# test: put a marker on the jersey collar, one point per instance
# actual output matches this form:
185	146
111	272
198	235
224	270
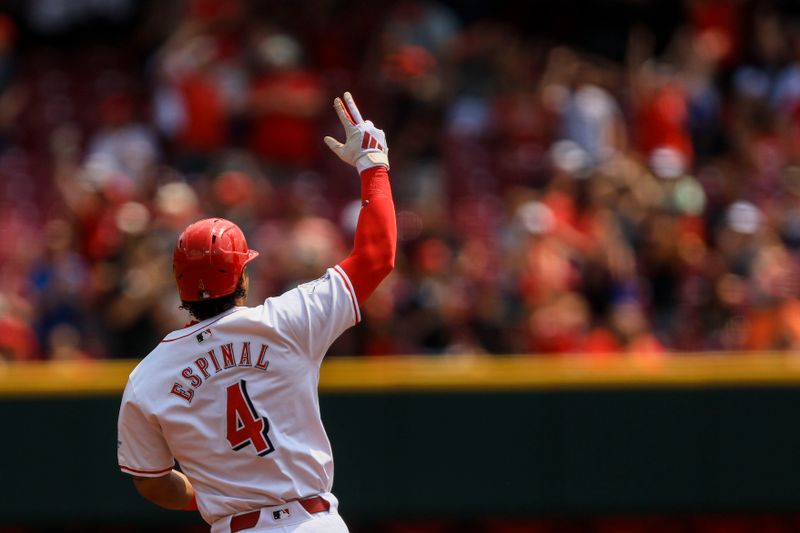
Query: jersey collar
196	326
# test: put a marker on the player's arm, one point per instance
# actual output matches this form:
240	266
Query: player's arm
143	453
171	491
372	258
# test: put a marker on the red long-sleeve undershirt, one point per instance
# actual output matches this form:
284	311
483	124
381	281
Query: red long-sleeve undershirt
372	258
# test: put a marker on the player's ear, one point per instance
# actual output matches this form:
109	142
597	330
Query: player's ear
244	284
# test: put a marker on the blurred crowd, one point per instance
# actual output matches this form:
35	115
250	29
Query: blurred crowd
635	191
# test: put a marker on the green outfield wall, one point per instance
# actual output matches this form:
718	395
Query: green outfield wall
454	438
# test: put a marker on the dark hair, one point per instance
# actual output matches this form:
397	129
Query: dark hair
208	308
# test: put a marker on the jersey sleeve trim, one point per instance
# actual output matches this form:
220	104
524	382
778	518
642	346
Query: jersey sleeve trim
350	291
145	473
201	328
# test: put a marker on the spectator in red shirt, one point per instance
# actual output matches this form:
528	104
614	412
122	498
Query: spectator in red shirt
284	102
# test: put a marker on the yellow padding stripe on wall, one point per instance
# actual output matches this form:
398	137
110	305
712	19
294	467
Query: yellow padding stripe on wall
453	373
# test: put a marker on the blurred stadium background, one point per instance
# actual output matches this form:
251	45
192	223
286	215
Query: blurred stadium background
599	215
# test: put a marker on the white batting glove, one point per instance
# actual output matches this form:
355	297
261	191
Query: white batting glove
365	146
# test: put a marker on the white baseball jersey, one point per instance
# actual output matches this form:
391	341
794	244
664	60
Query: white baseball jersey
234	400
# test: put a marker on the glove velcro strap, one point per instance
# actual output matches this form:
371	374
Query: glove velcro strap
372	159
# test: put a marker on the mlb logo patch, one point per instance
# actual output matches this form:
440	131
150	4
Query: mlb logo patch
280	514
203	335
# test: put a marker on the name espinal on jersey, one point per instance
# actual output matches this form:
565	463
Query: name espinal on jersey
216	361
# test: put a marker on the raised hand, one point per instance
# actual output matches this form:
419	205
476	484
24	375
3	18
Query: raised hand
365	145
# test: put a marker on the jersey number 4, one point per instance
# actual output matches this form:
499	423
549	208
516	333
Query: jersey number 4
244	425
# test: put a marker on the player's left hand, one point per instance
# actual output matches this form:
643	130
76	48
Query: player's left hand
365	146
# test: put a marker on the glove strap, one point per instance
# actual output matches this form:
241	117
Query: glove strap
372	159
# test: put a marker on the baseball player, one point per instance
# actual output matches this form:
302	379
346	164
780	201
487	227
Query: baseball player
233	396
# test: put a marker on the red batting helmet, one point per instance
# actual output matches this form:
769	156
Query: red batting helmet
209	258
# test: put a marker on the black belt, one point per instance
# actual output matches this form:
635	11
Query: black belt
314	504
